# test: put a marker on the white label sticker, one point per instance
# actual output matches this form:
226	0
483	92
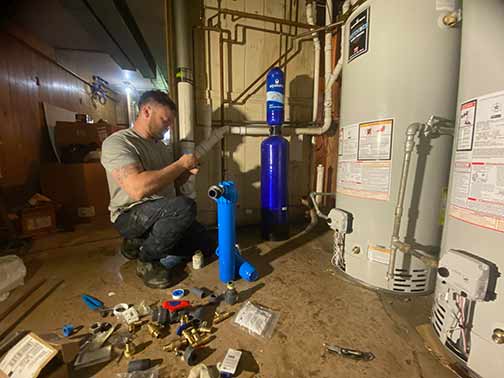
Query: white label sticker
466	126
37	223
379	254
86	212
230	363
477	194
364	166
375	140
274	96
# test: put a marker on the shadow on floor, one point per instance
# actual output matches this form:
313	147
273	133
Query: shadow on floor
263	263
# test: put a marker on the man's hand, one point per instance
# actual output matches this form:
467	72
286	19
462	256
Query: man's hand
182	179
188	161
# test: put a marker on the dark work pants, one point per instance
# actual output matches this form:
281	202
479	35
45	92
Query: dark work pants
168	227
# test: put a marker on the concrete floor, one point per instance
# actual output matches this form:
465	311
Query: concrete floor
315	304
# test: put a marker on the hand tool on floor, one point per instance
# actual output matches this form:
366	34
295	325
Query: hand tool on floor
94	304
350	353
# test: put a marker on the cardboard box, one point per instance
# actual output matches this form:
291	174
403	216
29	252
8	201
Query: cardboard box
67	133
38	220
81	189
67	348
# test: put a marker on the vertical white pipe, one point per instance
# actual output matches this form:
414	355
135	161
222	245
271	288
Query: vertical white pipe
311	15
186	110
319	186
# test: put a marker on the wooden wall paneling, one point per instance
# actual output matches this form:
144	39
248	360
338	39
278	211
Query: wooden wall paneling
15	148
24	142
6	130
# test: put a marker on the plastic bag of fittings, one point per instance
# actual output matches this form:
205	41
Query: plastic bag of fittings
149	373
12	274
256	319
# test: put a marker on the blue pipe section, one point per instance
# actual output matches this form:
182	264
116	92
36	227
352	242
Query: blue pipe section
231	263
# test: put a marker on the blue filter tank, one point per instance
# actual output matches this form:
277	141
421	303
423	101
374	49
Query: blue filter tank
275	97
274	189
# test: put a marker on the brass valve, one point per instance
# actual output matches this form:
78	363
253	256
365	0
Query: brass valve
129	350
221	316
154	330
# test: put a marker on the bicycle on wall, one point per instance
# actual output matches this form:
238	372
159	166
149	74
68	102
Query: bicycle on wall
99	90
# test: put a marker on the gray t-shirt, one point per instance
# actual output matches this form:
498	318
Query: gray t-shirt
126	147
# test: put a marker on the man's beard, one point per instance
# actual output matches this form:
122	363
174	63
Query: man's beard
156	134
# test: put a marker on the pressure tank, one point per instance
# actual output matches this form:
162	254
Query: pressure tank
275	97
400	66
469	300
274	188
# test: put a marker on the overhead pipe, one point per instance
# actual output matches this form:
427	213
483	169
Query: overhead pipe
330	78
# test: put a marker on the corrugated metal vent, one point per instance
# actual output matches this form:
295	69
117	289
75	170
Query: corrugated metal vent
438	318
414	281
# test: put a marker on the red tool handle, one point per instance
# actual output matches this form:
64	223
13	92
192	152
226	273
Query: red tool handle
173	306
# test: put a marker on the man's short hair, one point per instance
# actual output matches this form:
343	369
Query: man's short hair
158	97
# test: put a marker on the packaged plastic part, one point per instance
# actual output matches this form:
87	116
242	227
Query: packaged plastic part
12	274
256	319
150	373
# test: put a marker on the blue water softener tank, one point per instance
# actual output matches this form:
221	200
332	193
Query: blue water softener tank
275	97
274	164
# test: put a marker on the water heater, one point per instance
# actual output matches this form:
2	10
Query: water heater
274	163
400	67
468	311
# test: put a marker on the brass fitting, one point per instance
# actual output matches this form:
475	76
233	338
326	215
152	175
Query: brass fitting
129	349
189	337
175	345
184	319
201	341
221	316
154	330
204	330
195	334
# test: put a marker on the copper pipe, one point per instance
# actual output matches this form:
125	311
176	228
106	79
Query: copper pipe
259	17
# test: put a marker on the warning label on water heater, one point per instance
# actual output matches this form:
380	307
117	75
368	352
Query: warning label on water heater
364	164
477	194
358	37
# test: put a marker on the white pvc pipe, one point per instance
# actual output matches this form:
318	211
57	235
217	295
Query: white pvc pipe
186	110
311	11
328	79
319	186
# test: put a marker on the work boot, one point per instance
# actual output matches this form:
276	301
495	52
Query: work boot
130	248
153	274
